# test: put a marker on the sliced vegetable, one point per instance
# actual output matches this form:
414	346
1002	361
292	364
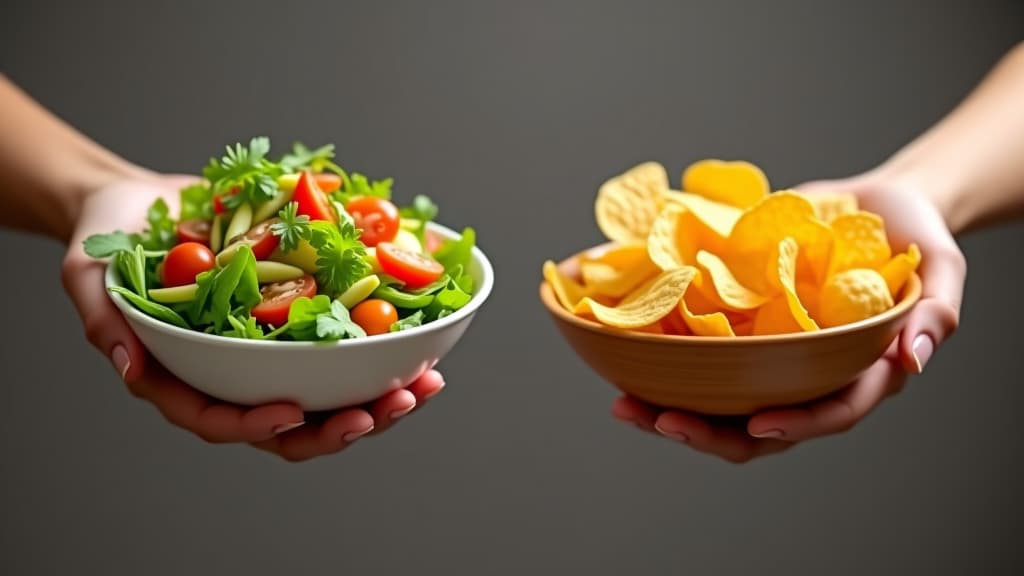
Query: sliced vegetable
359	291
271	207
312	201
276	299
413	269
268	272
241	220
217	233
260	239
195	230
175	295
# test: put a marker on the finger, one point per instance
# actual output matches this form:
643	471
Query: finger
937	315
835	414
212	420
427	386
635	412
307	442
726	442
387	409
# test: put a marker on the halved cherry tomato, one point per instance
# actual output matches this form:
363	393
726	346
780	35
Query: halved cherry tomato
260	238
196	230
218	203
311	199
374	316
376	217
327	181
415	270
184	262
277	299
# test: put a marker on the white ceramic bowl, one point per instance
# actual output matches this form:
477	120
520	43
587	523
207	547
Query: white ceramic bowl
314	375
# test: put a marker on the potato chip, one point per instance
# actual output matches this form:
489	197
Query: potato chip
860	242
853	295
782	278
628	204
672	242
601	278
619	256
673	323
737	183
722	285
712	324
775	317
830	205
807	292
658	298
567	291
898	270
718	217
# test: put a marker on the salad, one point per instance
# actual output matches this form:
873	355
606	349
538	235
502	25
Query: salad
294	249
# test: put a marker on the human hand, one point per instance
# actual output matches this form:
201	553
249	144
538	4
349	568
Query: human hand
280	428
911	215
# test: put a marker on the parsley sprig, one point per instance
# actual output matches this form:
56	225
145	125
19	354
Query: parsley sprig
292	228
247	170
341	255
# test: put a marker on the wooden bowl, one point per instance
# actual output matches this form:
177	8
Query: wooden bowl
729	376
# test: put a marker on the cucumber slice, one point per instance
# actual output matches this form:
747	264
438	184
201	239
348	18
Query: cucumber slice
217	234
174	295
268	272
240	222
271	207
304	256
359	291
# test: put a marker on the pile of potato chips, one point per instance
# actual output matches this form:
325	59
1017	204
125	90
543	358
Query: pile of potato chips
727	257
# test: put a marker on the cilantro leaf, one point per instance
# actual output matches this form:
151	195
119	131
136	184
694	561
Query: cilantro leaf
292	228
341	258
302	316
302	157
337	324
104	245
422	209
196	202
359	185
411	321
247	170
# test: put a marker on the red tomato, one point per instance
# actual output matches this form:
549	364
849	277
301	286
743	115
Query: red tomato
184	262
277	299
260	238
195	231
376	217
327	181
218	204
374	316
311	199
415	270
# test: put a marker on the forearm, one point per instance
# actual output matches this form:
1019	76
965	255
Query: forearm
972	162
47	167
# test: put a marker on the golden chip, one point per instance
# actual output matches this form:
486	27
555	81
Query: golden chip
718	217
737	183
853	295
898	270
830	205
722	284
620	256
860	242
775	317
627	204
567	291
658	298
712	324
782	278
601	278
672	242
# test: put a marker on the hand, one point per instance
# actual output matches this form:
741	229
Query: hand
279	428
910	216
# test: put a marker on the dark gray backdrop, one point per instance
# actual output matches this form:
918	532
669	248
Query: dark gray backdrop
509	115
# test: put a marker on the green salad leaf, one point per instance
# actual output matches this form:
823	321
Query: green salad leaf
422	209
196	202
247	329
105	245
337	324
302	317
457	252
154	309
223	289
411	321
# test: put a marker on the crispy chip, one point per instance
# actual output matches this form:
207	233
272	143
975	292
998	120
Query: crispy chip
718	217
830	205
898	270
808	295
620	256
775	317
568	291
658	298
672	242
711	324
782	278
853	295
628	204
722	285
673	323
860	242
737	183
601	278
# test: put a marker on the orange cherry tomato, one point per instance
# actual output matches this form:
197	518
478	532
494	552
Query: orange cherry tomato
374	316
184	262
327	181
415	270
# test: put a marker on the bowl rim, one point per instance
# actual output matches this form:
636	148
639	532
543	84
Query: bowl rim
910	295
480	295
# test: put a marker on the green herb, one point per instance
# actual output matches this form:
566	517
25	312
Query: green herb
132	266
422	209
302	316
196	202
302	157
154	309
221	291
337	324
341	258
246	169
292	228
162	233
411	321
447	300
360	185
248	329
104	245
457	252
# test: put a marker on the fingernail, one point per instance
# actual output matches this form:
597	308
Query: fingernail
435	392
773	433
673	434
282	428
352	436
922	350
121	361
399	413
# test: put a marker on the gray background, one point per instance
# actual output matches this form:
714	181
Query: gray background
509	115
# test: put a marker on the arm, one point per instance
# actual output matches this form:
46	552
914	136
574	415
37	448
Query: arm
972	161
47	168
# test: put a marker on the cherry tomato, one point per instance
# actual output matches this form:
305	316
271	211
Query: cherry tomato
376	217
277	299
311	199
184	262
196	230
374	316
218	203
327	181
415	270
260	238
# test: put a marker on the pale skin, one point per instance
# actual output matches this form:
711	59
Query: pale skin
963	174
56	182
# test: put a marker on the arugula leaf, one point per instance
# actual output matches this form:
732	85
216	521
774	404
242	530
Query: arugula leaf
248	170
422	209
302	157
341	258
196	202
235	283
132	266
337	324
457	252
104	245
154	309
292	228
302	316
411	321
199	304
448	300
249	329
